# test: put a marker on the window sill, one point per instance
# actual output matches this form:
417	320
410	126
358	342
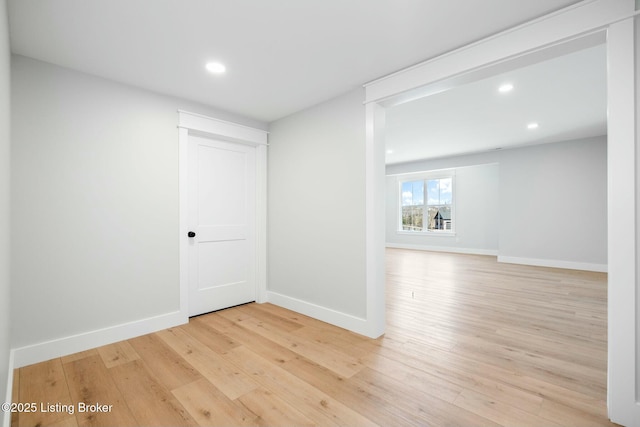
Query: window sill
427	233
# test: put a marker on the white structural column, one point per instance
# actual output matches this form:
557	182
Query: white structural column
621	157
375	222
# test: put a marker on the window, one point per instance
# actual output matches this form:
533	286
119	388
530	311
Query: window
427	204
412	205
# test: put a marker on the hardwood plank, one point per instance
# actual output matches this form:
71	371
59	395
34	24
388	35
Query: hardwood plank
90	383
167	366
589	405
273	411
574	376
337	340
216	341
452	375
236	316
590	353
265	347
439	387
431	410
500	412
79	355
293	316
216	321
67	422
224	375
149	401
352	394
339	362
43	384
320	407
117	354
466	368
322	332
210	407
282	323
572	417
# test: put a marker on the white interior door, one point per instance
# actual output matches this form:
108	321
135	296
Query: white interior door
222	220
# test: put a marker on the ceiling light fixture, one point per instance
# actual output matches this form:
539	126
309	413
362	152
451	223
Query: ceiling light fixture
532	126
216	68
507	87
389	151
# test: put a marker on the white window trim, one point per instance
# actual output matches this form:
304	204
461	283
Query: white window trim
443	233
440	174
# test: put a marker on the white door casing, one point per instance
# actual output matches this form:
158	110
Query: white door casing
222	220
612	21
218	230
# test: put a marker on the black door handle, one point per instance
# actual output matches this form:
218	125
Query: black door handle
191	234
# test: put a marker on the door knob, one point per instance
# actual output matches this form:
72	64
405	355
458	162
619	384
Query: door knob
191	234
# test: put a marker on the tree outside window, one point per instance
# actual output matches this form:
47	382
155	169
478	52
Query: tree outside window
412	205
427	204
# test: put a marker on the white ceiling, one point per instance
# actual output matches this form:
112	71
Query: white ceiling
566	96
282	55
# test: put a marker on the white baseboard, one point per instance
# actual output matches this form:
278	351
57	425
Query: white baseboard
337	318
571	265
470	251
47	350
6	421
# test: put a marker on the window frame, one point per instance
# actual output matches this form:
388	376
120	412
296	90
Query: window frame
425	177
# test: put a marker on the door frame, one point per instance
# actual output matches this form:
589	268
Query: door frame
613	22
199	125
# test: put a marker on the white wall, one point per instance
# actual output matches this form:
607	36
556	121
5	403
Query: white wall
476	214
95	202
4	206
552	203
316	206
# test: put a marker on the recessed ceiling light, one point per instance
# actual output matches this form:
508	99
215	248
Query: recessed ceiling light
389	151
216	67
532	126
507	87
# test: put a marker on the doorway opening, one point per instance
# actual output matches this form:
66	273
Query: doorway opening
542	38
467	156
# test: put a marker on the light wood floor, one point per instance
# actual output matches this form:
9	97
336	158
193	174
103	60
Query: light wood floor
469	342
